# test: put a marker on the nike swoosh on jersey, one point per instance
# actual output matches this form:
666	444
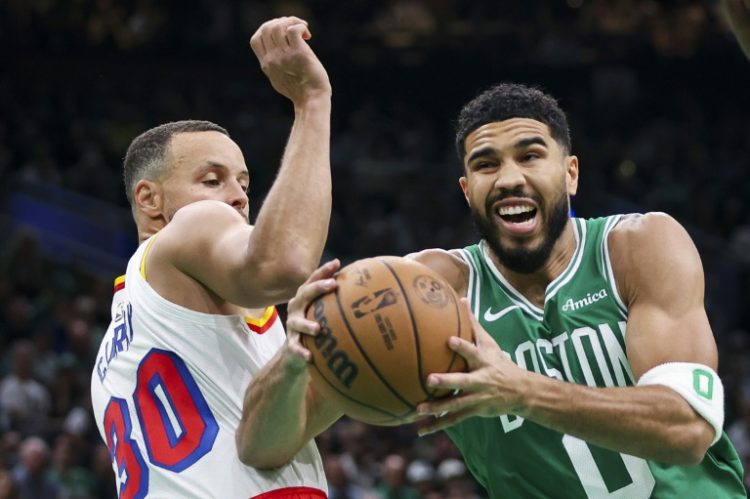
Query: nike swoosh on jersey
491	317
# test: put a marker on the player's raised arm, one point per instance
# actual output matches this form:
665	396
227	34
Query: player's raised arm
263	265
738	12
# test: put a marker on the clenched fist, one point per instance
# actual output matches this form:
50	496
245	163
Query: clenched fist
288	61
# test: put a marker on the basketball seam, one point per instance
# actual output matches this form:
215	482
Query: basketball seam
367	358
352	399
414	328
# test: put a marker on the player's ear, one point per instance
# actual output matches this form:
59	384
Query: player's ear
571	174
464	187
147	197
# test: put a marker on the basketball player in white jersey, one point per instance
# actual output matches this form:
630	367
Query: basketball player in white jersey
193	317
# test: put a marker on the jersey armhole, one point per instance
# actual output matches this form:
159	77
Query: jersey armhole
472	288
609	274
142	265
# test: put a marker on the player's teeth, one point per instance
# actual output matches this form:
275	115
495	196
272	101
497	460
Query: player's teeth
514	210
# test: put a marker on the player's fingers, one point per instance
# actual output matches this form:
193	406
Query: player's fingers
302	325
300	351
465	349
256	43
449	381
326	270
275	35
436	424
278	30
308	292
296	35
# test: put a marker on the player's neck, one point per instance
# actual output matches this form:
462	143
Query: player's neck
146	230
534	285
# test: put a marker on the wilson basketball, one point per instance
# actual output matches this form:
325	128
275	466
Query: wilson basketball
383	331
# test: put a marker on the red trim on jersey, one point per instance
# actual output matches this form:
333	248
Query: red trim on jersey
261	325
292	493
119	283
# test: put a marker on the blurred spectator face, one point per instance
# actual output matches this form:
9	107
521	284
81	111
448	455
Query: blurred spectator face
335	473
394	471
537	175
420	475
34	452
205	165
22	359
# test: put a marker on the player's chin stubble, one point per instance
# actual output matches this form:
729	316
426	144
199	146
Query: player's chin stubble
524	260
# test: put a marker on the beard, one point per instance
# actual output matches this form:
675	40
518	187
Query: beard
523	260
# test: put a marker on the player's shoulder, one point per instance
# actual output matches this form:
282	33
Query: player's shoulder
447	263
643	246
646	231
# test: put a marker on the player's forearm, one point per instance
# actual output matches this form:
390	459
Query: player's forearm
292	226
272	429
652	422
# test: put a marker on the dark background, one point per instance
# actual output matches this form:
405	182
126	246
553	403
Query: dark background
657	94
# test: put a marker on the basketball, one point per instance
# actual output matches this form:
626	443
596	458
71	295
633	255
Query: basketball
383	331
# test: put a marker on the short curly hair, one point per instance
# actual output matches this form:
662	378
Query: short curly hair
511	100
147	154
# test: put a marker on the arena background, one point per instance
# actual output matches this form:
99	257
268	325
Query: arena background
657	93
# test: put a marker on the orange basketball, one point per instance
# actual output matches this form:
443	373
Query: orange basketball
382	332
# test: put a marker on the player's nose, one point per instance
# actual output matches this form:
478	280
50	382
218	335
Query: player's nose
509	176
238	197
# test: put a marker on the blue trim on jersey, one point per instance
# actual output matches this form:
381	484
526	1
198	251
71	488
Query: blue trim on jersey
127	440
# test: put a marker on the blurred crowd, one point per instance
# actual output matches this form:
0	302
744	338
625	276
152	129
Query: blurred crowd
656	93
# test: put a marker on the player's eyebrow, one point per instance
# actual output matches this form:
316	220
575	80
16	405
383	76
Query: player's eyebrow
479	153
523	143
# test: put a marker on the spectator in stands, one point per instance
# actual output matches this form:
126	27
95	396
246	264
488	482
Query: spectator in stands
32	474
25	401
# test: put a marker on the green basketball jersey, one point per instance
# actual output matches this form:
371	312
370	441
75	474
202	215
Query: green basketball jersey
578	337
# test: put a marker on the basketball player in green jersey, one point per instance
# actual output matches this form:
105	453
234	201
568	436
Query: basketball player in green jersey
593	369
593	372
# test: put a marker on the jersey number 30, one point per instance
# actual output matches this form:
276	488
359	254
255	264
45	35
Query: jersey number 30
177	424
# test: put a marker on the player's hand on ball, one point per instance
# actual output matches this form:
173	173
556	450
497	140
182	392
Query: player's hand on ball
320	282
285	57
491	387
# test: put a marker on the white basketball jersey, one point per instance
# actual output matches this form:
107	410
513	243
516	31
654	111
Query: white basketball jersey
167	392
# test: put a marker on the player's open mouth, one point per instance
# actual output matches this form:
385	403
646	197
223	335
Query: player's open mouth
520	218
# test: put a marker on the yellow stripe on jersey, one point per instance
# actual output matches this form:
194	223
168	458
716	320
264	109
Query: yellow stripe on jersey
261	325
145	253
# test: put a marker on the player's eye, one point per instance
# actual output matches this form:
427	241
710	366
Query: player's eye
212	182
